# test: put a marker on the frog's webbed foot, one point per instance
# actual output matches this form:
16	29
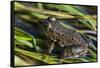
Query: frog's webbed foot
59	61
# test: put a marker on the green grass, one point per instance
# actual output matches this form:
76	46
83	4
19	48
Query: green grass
29	48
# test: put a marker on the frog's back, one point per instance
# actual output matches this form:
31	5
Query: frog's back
64	35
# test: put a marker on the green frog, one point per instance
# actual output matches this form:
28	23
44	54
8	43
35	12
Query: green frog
71	43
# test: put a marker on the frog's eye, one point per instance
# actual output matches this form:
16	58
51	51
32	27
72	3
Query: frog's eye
52	18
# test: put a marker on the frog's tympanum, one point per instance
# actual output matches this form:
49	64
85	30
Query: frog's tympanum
70	41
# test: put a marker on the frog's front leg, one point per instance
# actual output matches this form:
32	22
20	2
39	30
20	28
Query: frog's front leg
51	47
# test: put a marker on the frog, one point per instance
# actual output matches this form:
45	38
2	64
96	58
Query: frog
71	43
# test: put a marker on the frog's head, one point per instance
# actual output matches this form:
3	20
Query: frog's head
46	23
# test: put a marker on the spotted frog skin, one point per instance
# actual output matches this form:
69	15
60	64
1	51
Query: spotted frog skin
71	42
